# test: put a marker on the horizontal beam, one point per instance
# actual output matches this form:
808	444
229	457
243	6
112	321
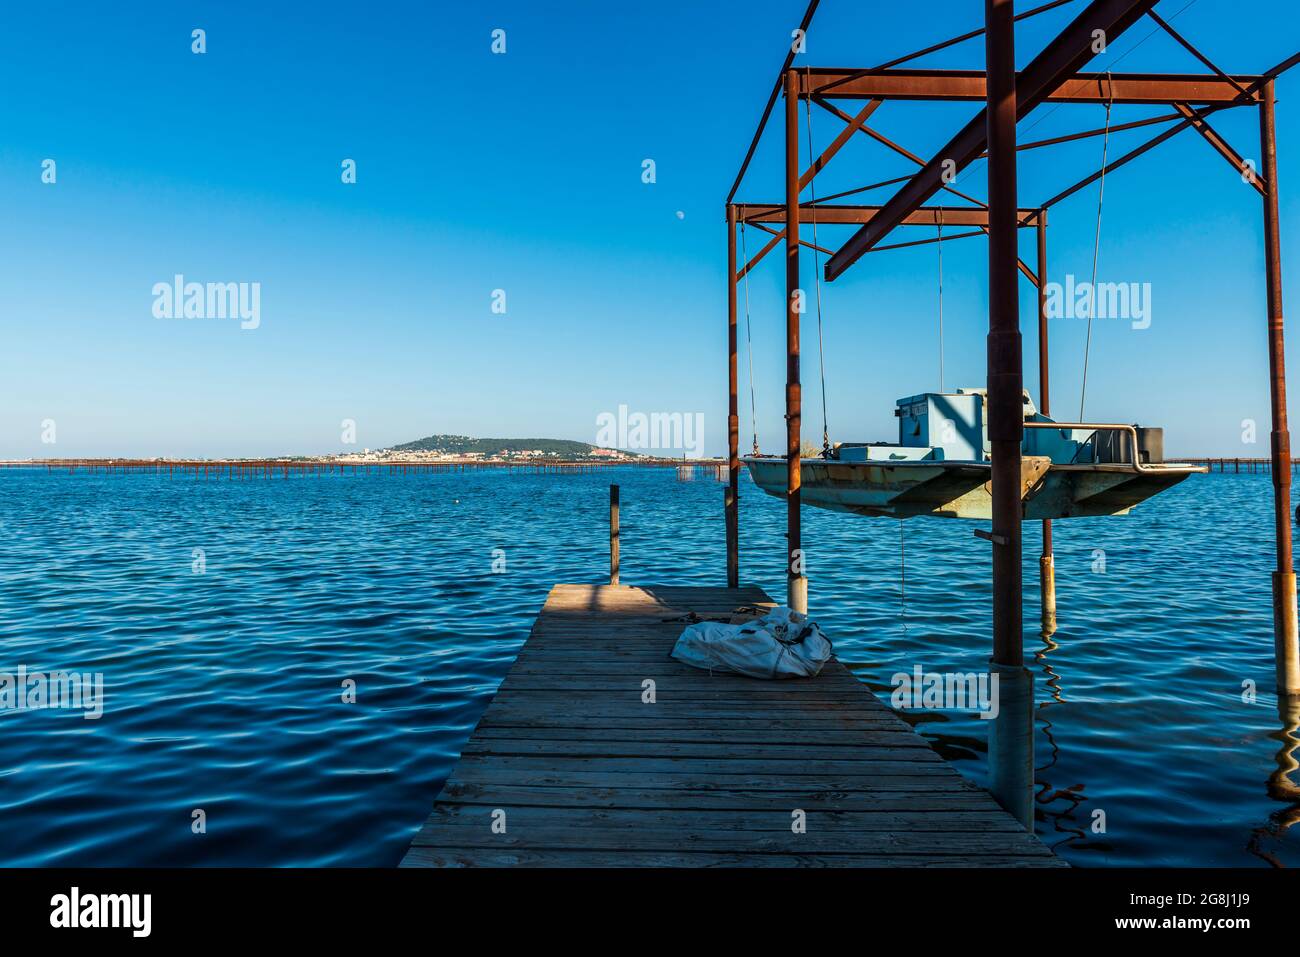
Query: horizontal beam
1148	88
831	215
1057	63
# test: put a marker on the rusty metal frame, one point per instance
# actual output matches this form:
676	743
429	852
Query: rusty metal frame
1055	75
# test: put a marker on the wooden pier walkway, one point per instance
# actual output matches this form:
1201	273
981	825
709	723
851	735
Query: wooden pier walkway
576	770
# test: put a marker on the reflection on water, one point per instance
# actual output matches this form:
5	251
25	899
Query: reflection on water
1265	840
1055	819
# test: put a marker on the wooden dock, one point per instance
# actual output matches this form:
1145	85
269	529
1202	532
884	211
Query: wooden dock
571	767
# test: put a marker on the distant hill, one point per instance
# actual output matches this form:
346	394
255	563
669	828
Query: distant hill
464	445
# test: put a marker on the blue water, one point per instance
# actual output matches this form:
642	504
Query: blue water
225	689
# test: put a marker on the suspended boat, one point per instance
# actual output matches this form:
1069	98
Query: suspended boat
941	466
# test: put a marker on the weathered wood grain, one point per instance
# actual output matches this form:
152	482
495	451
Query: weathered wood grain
585	773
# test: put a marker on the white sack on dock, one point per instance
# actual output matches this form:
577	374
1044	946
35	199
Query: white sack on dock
781	644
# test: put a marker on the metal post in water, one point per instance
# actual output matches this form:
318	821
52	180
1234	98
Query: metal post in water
732	494
613	534
1286	644
1047	561
1011	741
797	585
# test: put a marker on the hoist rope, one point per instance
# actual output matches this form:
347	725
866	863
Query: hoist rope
749	341
1096	248
940	245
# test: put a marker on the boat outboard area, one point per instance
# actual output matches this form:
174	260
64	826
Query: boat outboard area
940	465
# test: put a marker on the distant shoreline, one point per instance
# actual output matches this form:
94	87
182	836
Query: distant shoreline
353	461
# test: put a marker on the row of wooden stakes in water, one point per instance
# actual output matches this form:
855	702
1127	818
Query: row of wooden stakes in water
267	468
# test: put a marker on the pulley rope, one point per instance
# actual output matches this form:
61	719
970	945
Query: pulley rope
940	245
749	342
1096	248
817	273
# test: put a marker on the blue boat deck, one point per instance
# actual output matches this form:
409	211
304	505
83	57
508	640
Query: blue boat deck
572	766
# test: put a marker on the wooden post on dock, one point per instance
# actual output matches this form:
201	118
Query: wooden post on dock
797	584
613	534
732	495
1286	643
1047	561
1011	739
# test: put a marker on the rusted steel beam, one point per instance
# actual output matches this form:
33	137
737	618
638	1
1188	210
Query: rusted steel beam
771	101
1005	372
851	127
1101	131
933	239
1187	45
759	213
731	504
900	150
776	232
1287	643
1046	561
1133	88
1061	59
1191	118
758	256
863	189
1122	161
796	586
936	47
1011	740
1220	145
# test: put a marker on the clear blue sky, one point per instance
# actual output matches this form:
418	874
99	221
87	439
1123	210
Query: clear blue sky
523	172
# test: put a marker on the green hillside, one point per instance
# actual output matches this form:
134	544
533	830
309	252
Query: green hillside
463	444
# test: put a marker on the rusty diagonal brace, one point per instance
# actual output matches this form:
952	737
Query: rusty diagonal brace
854	124
1186	44
900	150
1059	60
1221	146
1191	118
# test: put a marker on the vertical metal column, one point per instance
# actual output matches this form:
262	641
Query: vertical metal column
1047	561
733	415
1286	646
797	590
1011	737
1005	373
613	534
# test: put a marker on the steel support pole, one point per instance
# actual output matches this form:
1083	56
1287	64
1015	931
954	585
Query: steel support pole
1047	561
1011	737
613	534
1286	646
797	585
733	417
1005	371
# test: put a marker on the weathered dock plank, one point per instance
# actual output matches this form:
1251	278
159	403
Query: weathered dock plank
569	767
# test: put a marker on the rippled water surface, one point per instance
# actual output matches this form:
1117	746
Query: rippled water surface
223	690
